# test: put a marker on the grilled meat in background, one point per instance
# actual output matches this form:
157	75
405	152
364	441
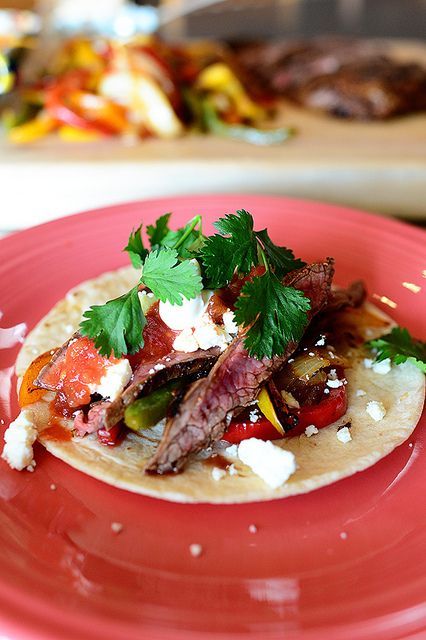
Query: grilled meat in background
342	77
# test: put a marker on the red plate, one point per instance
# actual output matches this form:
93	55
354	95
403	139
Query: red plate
347	561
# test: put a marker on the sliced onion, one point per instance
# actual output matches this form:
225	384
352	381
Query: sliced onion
305	366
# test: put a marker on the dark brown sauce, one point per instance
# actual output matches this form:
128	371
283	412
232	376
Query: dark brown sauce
218	461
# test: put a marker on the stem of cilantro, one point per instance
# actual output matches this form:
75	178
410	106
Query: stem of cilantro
263	257
193	224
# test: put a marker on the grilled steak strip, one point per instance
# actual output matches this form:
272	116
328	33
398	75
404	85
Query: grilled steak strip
353	296
147	377
234	382
152	375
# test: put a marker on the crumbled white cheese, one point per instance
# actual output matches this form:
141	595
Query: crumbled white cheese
326	391
19	439
208	334
232	450
197	329
229	322
116	527
115	379
360	393
375	410
185	341
333	381
320	342
254	415
159	366
310	430
271	463
218	474
195	550
311	354
368	363
335	384
382	367
344	435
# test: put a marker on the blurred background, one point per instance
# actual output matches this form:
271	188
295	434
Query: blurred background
103	101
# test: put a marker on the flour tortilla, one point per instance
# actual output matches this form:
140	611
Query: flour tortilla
321	459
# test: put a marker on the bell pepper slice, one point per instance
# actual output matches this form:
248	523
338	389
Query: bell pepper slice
265	405
219	77
253	135
32	130
67	133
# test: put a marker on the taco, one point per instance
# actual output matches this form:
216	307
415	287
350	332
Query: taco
229	371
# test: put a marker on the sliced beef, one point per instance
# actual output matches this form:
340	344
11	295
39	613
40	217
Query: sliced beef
343	77
372	89
149	376
234	382
285	65
92	420
353	296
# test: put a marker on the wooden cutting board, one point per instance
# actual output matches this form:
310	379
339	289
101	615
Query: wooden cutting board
376	166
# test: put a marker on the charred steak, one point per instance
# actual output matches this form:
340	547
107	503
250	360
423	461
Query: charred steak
234	382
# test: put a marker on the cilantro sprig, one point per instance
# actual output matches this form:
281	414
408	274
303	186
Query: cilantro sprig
271	314
169	279
238	248
275	315
135	249
400	346
117	326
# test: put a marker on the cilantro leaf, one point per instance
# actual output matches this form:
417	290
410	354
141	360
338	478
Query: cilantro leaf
157	233
221	255
280	258
275	315
400	346
135	248
116	326
187	240
169	279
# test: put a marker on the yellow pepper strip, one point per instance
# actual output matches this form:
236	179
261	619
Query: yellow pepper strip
32	130
267	408
73	134
219	77
7	78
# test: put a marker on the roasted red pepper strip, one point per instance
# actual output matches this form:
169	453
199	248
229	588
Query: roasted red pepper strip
69	102
262	429
329	410
110	437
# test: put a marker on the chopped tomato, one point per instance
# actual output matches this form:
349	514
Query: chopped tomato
82	365
158	339
329	410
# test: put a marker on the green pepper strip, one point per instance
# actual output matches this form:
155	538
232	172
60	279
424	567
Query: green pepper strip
147	411
243	132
